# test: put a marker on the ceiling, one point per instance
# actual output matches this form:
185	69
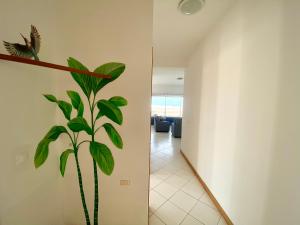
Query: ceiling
167	76
177	35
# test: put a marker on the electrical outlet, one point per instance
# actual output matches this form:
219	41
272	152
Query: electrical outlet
124	182
20	157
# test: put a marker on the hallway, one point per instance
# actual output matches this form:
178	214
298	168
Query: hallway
176	196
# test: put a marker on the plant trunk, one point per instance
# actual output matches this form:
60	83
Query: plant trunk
86	212
96	191
96	199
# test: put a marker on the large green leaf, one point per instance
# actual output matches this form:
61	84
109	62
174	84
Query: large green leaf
110	110
76	102
42	150
66	108
54	132
102	155
113	135
63	160
75	98
41	153
85	82
51	98
79	124
80	110
118	101
99	114
113	69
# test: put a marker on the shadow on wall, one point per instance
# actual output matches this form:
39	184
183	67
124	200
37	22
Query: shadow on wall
284	182
256	110
199	117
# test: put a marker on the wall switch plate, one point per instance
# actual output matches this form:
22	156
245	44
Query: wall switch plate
21	157
124	182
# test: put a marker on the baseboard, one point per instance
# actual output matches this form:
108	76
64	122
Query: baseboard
211	196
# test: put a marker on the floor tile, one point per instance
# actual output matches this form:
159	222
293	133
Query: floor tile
162	174
154	169
154	181
170	214
183	201
176	181
161	155
175	190
222	222
195	180
158	165
172	168
205	214
186	167
189	220
155	200
154	220
150	212
194	189
185	174
205	199
165	189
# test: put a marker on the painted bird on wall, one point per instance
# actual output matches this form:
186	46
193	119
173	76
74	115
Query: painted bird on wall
30	49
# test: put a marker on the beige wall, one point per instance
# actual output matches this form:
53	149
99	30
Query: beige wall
104	31
240	113
95	32
27	195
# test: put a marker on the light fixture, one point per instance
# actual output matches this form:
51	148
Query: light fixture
189	7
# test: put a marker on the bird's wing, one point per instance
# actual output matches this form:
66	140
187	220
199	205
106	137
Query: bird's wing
35	39
17	49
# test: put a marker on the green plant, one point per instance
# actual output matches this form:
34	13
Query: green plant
77	124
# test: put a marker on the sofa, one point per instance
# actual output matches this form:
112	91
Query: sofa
161	125
176	128
171	119
152	120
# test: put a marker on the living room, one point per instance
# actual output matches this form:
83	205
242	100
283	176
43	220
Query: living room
167	100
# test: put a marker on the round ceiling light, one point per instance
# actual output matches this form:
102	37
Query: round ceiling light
189	7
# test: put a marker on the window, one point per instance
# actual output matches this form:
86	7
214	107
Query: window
158	105
167	106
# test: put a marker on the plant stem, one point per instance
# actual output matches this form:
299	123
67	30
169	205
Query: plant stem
96	190
75	148
96	200
80	143
86	212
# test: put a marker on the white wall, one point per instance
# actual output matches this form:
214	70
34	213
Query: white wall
240	113
164	89
165	81
94	32
283	199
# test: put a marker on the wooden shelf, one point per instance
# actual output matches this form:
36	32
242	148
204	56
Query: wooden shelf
50	65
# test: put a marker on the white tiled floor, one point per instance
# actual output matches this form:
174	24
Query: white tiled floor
176	196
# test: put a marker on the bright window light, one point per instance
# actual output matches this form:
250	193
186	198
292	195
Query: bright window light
167	105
